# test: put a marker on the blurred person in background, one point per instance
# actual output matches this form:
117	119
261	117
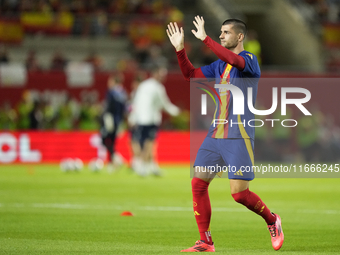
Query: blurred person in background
90	110
8	117
141	44
308	135
4	58
36	116
253	45
282	137
136	149
95	60
58	61
155	57
31	62
149	101
99	22
66	116
329	140
50	115
79	11
264	140
113	115
24	108
308	139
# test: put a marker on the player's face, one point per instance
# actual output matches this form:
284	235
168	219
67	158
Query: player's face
229	38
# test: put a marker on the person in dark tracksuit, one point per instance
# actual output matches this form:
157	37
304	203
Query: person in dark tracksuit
113	115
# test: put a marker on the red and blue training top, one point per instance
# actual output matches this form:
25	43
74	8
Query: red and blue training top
240	70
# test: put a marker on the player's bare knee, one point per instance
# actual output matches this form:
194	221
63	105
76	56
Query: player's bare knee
200	172
237	185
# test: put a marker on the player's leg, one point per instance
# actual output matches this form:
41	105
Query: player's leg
206	157
108	134
242	160
148	153
201	202
107	142
139	137
111	142
240	192
148	146
202	208
238	153
149	157
136	157
135	147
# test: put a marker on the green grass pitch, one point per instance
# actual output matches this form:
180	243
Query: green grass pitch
46	211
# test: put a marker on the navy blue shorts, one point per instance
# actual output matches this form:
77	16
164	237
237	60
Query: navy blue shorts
232	156
144	132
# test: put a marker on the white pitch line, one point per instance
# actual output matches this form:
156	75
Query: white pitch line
320	211
143	208
75	206
174	209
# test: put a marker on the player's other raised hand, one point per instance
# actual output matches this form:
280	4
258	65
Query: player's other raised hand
199	24
176	36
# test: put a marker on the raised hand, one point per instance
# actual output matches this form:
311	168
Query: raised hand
199	24
176	36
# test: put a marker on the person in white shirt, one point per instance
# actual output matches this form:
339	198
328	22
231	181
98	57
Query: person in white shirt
146	115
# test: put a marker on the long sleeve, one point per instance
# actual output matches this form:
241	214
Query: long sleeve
166	103
224	54
188	70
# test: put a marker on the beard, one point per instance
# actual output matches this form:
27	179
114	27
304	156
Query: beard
230	44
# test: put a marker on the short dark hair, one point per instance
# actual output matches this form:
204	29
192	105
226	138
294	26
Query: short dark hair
238	25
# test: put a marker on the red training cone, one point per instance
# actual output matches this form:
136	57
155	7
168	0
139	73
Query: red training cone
126	213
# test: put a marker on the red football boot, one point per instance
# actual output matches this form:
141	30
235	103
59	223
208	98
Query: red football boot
200	246
276	233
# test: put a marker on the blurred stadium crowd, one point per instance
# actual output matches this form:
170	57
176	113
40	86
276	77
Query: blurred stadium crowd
327	14
51	110
326	10
142	22
44	111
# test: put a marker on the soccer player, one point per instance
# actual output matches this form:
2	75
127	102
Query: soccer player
149	101
113	115
225	145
